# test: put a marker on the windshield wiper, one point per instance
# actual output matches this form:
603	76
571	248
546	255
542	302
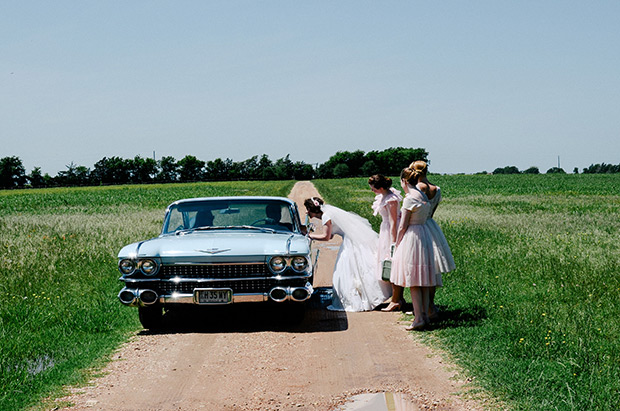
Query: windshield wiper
225	227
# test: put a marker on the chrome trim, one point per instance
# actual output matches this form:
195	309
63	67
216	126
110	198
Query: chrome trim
306	290
142	260
134	300
286	291
228	263
141	300
202	280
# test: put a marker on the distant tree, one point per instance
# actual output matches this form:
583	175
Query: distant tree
113	170
341	170
142	170
369	168
556	170
602	169
391	161
575	170
12	172
168	170
191	169
302	171
352	159
532	170
35	178
506	170
283	168
265	169
216	170
388	162
249	169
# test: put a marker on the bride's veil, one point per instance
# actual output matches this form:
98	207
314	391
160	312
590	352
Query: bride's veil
356	228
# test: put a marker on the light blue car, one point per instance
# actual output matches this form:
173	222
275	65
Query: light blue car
220	250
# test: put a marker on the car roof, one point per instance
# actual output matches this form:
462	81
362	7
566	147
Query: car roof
235	198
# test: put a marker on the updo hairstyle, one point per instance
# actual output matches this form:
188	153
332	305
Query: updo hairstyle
314	204
380	181
414	172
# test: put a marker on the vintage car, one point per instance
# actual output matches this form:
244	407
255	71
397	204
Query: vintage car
220	250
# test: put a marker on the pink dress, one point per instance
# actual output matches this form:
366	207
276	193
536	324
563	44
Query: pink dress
443	254
413	264
380	206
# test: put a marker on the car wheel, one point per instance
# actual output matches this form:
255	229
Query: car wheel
151	317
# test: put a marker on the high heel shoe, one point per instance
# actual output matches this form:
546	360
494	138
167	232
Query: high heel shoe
392	307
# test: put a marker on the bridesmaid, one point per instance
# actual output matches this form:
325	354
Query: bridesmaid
387	204
413	264
443	254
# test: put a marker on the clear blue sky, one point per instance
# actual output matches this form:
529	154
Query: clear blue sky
478	84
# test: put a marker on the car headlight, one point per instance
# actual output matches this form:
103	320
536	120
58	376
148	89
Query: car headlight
126	266
148	267
299	263
277	264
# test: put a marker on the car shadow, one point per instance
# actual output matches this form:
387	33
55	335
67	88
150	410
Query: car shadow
253	317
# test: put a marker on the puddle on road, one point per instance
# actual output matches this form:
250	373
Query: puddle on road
379	401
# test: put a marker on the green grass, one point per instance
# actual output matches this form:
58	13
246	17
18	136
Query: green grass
59	314
533	308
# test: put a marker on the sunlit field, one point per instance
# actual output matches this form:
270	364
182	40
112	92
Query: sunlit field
58	278
533	309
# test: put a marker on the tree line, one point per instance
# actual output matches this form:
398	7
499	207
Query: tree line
592	169
141	170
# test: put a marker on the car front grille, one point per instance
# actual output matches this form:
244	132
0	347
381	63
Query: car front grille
240	286
215	271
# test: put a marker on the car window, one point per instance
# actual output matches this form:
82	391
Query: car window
273	214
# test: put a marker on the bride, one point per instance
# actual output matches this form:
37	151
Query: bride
355	283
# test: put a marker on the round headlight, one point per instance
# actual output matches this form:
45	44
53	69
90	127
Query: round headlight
148	267
126	266
299	263
277	264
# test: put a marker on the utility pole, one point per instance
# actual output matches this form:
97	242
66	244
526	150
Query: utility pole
558	161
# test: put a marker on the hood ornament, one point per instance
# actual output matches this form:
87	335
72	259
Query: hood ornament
214	250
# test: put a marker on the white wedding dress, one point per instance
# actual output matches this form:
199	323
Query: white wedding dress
355	283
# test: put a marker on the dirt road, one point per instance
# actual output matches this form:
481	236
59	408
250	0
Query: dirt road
239	361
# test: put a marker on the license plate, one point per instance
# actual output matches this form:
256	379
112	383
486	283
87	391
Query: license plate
213	296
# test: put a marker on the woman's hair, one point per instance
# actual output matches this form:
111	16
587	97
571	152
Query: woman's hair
413	173
380	181
420	167
313	204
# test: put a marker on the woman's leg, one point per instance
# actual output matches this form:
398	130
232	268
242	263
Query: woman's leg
418	309
397	299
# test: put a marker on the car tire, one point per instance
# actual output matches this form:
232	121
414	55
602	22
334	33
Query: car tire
151	317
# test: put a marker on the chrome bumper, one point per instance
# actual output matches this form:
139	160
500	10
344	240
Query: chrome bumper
132	297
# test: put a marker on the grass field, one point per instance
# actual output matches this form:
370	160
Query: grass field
533	309
59	313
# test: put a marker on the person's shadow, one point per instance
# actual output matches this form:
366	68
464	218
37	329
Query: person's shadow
461	317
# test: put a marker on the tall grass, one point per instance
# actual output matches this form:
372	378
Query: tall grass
58	278
533	308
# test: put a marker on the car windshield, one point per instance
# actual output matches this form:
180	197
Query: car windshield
261	213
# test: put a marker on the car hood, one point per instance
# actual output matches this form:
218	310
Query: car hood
217	245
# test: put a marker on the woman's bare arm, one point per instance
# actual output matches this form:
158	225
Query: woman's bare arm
326	235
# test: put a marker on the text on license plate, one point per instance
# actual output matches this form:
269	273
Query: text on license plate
218	296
